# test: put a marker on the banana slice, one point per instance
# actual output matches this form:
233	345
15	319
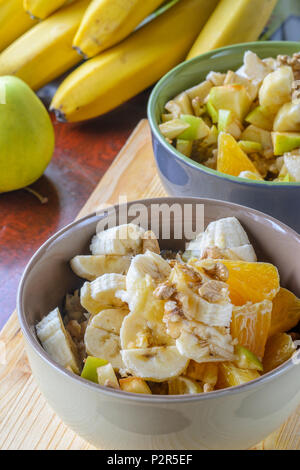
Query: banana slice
102	338
201	299
204	343
56	341
149	265
102	293
156	364
144	327
228	236
184	386
122	240
90	267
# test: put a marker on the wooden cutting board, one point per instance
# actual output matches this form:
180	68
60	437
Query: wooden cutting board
26	420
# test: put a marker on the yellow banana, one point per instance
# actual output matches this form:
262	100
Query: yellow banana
41	9
106	81
45	52
107	22
233	22
14	21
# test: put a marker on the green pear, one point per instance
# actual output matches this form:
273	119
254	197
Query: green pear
256	134
171	129
26	135
231	97
284	142
288	118
212	112
261	117
276	89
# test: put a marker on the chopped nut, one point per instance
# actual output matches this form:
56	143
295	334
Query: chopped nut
164	291
74	329
217	270
213	252
296	90
213	291
149	242
190	272
207	388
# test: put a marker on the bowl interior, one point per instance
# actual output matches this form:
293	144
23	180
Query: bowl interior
194	71
48	276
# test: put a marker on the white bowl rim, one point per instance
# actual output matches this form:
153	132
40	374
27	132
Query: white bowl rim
147	399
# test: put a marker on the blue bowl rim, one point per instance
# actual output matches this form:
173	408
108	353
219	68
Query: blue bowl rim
191	163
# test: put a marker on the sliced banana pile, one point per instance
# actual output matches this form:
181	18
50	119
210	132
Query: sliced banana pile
223	238
148	318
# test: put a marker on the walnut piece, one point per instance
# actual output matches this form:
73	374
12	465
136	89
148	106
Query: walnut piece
213	291
212	252
164	291
218	271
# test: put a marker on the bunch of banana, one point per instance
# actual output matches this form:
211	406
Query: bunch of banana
233	22
14	21
45	51
41	9
107	22
116	75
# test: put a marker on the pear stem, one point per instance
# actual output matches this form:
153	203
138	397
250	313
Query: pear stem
42	199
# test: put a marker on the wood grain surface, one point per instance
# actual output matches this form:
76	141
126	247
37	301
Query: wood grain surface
26	420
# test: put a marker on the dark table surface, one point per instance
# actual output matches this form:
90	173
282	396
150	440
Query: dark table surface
83	153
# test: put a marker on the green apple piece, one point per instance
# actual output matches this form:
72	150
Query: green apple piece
212	138
250	175
249	147
89	372
285	142
256	134
261	117
288	118
292	163
184	103
197	129
200	91
276	88
212	112
184	146
232	97
172	129
107	377
246	359
232	78
228	123
167	117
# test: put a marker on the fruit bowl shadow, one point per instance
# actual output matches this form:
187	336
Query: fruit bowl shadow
182	176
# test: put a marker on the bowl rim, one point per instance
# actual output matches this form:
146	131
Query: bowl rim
165	399
191	163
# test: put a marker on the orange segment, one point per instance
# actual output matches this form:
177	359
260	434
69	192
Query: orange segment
279	349
231	158
251	282
231	376
285	313
251	324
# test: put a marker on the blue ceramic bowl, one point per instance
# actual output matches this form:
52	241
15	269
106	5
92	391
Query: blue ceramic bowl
182	176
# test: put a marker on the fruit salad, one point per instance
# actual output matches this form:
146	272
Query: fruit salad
159	322
244	123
